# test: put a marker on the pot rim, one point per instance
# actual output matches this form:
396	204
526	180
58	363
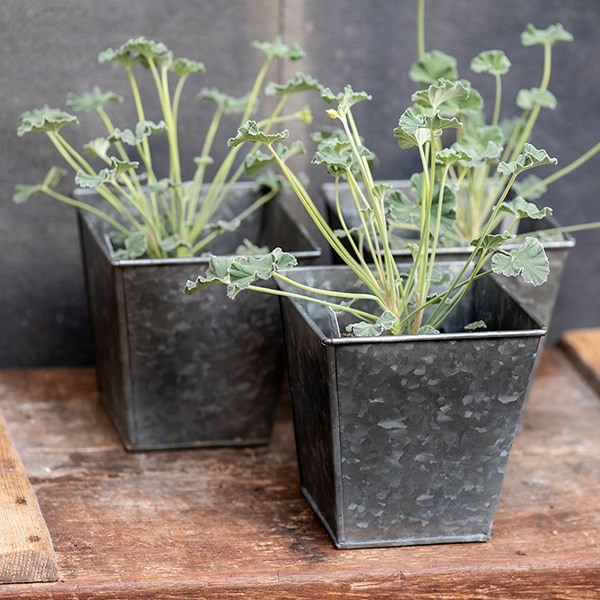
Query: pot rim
538	331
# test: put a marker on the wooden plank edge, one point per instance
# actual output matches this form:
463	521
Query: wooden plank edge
582	348
26	549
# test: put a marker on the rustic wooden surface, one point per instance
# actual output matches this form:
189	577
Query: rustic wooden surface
231	524
26	552
583	348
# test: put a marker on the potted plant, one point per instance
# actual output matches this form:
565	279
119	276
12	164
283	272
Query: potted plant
168	374
407	381
474	185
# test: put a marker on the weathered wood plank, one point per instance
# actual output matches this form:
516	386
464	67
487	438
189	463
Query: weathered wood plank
224	523
26	552
583	348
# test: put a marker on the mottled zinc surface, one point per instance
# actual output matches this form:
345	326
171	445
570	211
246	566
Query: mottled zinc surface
412	437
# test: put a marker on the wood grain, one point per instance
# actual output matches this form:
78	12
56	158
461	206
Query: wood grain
228	524
583	348
26	552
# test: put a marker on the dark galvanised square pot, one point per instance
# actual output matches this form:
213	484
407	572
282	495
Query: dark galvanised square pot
405	440
539	300
177	371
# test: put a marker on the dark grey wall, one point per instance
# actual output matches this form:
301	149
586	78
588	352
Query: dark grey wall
48	52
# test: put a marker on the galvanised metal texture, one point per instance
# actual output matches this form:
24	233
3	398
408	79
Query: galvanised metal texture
539	300
405	440
184	371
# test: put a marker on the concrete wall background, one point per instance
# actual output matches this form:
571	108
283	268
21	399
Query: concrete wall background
49	49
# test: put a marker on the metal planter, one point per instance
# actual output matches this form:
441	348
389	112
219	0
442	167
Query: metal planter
539	300
405	440
176	371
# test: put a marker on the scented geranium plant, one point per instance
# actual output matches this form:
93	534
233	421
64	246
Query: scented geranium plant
151	216
475	184
392	300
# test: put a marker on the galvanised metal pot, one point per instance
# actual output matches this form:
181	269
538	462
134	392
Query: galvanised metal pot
176	371
539	300
405	440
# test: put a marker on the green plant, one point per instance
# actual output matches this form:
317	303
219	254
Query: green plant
167	216
474	181
418	299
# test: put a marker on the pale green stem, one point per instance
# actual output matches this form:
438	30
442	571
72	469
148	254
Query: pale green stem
420	28
498	100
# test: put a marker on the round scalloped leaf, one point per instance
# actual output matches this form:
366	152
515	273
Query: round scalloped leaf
412	129
444	91
548	37
494	62
184	67
249	132
529	261
530	157
519	207
300	82
433	66
98	147
44	119
93	100
528	99
278	49
138	50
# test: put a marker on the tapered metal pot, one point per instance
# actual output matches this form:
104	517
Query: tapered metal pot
177	371
405	440
540	300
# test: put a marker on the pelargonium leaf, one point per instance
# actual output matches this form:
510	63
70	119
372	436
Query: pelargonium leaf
519	207
238	272
228	104
248	247
98	147
24	192
89	181
93	100
427	330
530	157
529	261
483	144
363	329
143	129
278	49
450	156
494	62
400	208
139	50
171	242
475	325
54	175
335	154
433	66
44	119
300	82
136	245
492	241
527	183
345	99
269	180
448	208
249	132
412	130
185	66
442	92
549	36
256	161
528	99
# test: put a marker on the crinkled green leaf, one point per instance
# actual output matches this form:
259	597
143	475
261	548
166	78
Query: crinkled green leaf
106	175
492	241
450	156
249	132
238	272
98	147
483	144
549	36
427	330
529	261
401	209
171	242
336	155
523	186
475	325
135	246
530	157
160	186
143	129
433	66
278	49
411	130
519	207
528	99
300	82
184	67
228	104
203	160
93	100
44	119
269	180
256	161
444	91
345	99
139	50
494	62
384	323
25	192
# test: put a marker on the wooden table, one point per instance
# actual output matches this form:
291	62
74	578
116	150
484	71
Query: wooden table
232	524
